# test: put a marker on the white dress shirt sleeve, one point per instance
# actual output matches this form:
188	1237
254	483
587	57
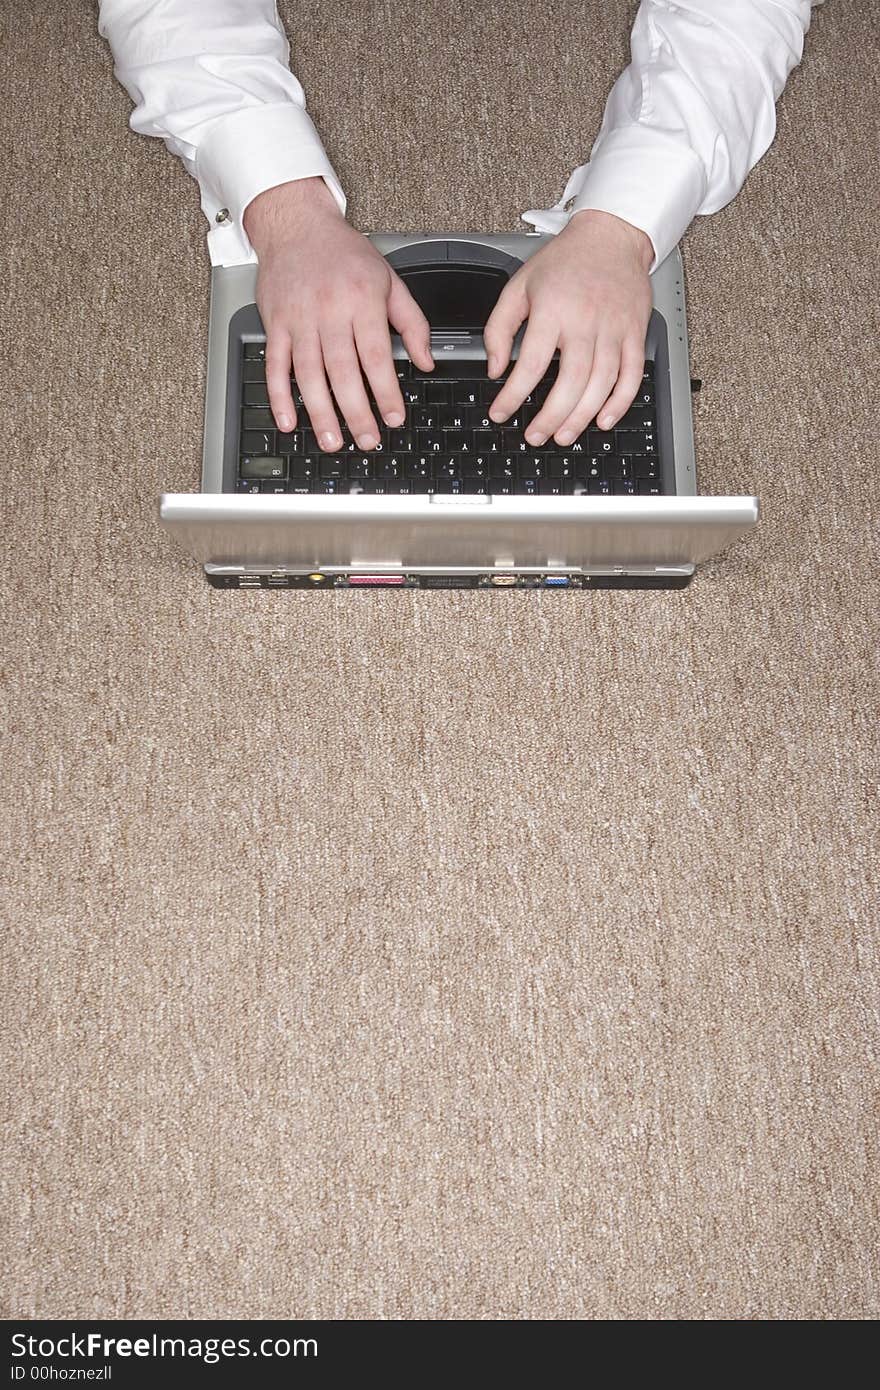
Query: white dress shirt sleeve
212	79
689	117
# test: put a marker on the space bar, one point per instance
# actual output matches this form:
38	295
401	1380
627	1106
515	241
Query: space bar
455	367
467	367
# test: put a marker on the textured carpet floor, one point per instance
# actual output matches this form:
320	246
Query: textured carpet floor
436	955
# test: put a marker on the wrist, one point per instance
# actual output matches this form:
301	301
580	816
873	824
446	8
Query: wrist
592	222
288	210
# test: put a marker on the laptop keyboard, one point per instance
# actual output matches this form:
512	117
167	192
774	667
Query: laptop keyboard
447	443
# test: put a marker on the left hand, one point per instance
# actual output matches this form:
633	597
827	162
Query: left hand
586	292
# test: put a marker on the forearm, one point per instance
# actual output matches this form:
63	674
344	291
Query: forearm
213	81
689	117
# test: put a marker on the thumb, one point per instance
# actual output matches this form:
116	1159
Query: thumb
405	315
511	308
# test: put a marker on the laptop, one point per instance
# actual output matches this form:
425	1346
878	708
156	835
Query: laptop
451	499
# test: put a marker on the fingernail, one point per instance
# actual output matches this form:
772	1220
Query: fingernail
394	419
285	424
491	364
367	441
605	422
535	437
564	436
329	441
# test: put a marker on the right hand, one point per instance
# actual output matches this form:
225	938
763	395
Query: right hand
326	296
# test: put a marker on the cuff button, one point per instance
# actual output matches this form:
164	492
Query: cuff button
222	215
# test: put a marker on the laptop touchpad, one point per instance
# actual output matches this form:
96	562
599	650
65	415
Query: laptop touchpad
455	296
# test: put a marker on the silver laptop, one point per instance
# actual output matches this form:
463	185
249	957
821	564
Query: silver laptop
452	499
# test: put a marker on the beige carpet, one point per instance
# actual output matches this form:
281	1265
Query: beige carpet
436	955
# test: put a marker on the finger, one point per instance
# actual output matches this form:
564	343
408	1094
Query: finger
535	354
278	350
503	324
308	368
407	318
632	366
344	371
603	374
373	343
576	360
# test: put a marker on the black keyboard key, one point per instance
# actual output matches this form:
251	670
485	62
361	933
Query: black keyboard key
258	441
413	392
502	465
333	466
647	467
437	393
549	487
255	393
253	371
626	487
648	487
473	471
254	351
303	470
269	486
514	442
638	417
257	419
601	442
487	441
529	466
632	441
249	485
599	487
458	368
290	443
400	441
562	466
418	466
614	468
262	467
385	468
457	440
451	417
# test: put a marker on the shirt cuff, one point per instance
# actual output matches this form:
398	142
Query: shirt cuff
653	182
254	149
